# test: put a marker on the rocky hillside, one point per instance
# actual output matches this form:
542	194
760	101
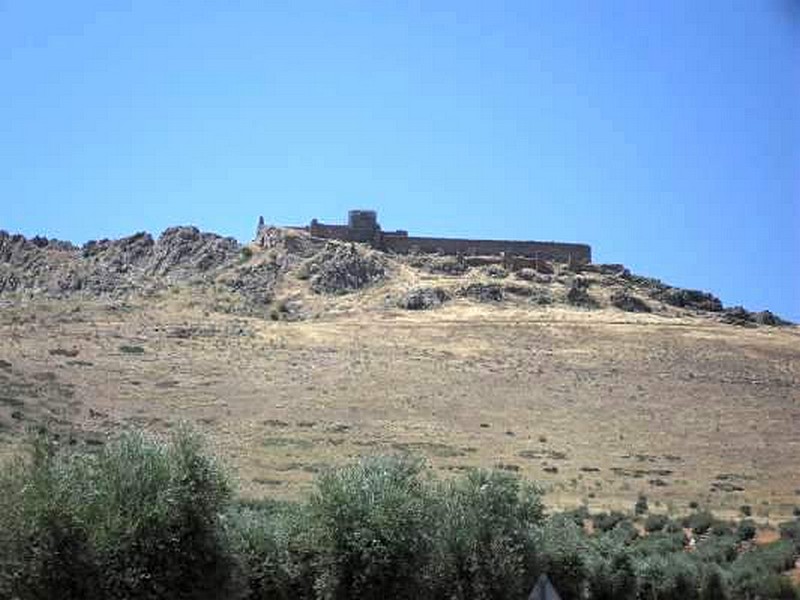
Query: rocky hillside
294	354
286	274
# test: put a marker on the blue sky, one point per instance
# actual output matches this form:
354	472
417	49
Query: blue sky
667	135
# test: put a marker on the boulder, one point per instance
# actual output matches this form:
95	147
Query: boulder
495	272
423	298
624	300
483	292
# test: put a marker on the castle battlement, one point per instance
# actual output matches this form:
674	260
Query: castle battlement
362	226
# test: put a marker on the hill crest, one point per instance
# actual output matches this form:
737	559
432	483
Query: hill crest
288	273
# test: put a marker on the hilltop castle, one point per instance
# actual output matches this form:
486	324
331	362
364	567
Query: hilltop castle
362	226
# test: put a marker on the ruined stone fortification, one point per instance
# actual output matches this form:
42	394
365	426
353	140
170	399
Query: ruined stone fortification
363	226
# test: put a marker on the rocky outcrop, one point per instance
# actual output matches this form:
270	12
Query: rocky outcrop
738	315
287	241
37	265
343	268
495	272
110	266
578	294
624	300
689	299
271	276
441	265
256	283
423	298
123	254
483	292
185	251
528	274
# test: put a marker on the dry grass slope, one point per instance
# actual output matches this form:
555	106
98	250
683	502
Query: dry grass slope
599	404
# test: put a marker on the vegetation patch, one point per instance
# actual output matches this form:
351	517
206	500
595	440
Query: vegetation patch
80	363
126	349
639	473
432	448
283	442
140	518
275	423
71	353
544	453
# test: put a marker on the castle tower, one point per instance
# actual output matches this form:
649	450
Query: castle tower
363	225
261	226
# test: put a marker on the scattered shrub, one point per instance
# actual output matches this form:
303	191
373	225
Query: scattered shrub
641	507
699	522
655	523
71	353
790	530
138	518
607	521
245	254
746	530
720	528
578	515
131	349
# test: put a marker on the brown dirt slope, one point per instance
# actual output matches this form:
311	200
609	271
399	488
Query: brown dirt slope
531	371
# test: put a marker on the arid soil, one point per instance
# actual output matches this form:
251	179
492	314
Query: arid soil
597	403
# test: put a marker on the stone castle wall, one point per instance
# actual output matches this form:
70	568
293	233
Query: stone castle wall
336	232
401	243
554	251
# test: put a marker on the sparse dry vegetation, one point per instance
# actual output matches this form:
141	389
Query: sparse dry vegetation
251	343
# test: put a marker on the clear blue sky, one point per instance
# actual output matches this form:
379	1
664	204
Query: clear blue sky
665	134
